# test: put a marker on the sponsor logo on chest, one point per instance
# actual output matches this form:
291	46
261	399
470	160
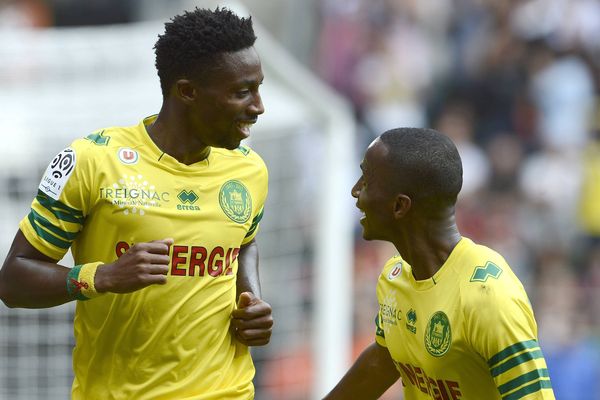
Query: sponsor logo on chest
187	200
134	195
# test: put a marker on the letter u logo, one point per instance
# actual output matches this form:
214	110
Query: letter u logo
395	272
128	156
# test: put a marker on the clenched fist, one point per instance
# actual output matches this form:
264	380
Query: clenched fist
144	264
252	322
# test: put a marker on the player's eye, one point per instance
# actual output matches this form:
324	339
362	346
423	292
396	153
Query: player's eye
242	93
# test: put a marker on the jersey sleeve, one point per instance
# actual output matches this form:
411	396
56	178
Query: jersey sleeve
59	208
381	294
504	332
263	185
379	332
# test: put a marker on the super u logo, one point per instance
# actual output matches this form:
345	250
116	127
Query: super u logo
396	271
128	156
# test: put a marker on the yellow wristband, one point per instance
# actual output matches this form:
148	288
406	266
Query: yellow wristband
87	273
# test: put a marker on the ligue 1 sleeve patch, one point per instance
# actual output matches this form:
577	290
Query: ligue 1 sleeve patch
58	172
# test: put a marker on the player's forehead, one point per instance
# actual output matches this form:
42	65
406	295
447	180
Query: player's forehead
237	67
375	157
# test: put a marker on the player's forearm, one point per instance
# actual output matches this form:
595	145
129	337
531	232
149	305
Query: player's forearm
248	277
370	376
27	283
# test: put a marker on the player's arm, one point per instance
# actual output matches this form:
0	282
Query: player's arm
252	320
370	376
30	279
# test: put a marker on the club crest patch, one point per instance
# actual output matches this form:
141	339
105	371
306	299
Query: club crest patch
235	201
58	172
438	335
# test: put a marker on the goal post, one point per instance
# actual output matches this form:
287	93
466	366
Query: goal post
333	260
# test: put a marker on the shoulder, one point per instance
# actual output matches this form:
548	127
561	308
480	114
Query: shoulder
105	141
484	265
243	156
488	284
394	268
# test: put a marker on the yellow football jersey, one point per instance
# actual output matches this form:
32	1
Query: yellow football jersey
116	188
466	333
589	208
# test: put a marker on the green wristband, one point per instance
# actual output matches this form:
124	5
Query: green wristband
74	286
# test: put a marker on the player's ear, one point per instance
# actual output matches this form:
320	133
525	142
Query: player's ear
185	90
402	205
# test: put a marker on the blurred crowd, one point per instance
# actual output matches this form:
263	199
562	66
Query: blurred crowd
515	84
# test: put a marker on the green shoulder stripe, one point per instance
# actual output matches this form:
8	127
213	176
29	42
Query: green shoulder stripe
511	350
244	150
534	375
60	210
524	391
47	236
513	362
481	274
98	138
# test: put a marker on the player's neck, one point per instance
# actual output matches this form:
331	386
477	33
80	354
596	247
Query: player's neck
427	246
170	138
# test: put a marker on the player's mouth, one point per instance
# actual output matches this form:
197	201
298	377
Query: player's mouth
363	216
244	127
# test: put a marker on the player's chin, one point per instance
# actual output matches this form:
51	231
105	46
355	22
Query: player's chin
365	234
233	145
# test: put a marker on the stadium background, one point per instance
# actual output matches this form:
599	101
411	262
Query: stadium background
514	83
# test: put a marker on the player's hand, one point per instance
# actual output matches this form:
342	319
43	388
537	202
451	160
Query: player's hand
252	322
144	264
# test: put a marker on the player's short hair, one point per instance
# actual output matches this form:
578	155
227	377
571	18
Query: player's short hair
193	39
427	166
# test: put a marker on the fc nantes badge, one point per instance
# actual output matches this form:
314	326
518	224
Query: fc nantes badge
438	336
235	201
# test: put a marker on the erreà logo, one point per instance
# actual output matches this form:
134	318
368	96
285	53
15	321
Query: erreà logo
128	156
187	198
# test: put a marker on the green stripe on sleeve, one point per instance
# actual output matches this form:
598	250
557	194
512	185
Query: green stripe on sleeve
47	236
510	350
534	387
378	331
513	362
255	222
40	220
251	232
523	379
258	217
60	210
